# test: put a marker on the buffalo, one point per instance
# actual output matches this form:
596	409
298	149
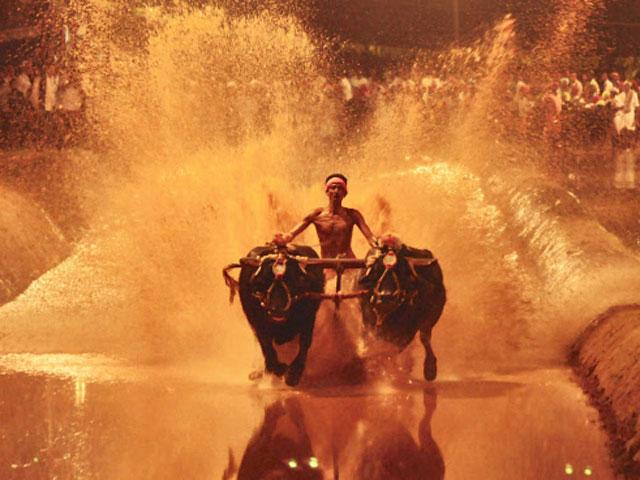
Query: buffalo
276	292
405	294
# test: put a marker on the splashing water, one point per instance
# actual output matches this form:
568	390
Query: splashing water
218	135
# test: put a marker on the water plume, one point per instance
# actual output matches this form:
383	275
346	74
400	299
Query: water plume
219	132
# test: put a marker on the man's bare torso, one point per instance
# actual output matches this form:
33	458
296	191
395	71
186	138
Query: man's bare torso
334	232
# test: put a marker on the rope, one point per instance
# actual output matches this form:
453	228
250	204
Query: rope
231	282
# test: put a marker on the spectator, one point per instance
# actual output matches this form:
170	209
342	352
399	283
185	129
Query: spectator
565	90
51	88
552	107
70	102
347	91
625	103
23	80
576	87
617	86
524	106
591	88
34	95
607	87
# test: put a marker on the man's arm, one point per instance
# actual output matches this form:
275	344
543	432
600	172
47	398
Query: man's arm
364	228
284	238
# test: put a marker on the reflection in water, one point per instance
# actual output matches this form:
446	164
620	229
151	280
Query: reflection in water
281	449
625	174
366	440
167	428
36	442
390	451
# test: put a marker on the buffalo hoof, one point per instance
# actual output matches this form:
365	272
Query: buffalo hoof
430	368
293	377
277	368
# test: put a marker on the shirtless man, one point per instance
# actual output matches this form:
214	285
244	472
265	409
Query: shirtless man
334	224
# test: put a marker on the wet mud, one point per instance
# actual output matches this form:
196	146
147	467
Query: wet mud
96	420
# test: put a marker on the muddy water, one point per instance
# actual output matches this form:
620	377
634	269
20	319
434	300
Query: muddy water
77	417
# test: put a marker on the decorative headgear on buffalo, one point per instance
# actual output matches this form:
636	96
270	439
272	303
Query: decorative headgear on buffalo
336	179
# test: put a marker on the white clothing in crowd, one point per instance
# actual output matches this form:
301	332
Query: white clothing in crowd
625	174
347	90
564	91
555	100
70	99
50	92
23	84
34	97
591	89
576	89
626	102
524	103
608	90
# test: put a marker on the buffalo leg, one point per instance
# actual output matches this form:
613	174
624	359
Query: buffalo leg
430	363
271	362
297	366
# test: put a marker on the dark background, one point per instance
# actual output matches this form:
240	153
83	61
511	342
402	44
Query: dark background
426	24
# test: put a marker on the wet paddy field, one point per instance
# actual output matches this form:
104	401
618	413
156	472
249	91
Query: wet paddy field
68	417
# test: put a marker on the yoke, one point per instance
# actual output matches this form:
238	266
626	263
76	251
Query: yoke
338	265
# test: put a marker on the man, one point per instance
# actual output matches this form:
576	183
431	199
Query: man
591	88
52	81
552	107
624	121
334	224
625	103
22	82
576	87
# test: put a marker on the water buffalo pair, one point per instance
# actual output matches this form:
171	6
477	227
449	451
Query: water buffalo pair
401	293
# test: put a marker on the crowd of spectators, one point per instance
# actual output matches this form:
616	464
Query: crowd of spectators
45	106
579	112
582	110
38	106
566	111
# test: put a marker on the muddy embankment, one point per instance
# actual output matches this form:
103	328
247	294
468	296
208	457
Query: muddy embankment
607	359
40	217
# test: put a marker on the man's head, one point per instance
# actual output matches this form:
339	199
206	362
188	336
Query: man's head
336	185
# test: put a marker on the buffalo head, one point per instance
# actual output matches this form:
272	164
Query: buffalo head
390	277
280	280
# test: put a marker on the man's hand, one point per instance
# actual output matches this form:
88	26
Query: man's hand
281	239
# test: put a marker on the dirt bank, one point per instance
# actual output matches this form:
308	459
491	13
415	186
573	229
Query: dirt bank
607	358
41	216
30	242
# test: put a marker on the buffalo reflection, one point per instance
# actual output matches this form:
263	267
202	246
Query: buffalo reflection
390	451
281	449
359	438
